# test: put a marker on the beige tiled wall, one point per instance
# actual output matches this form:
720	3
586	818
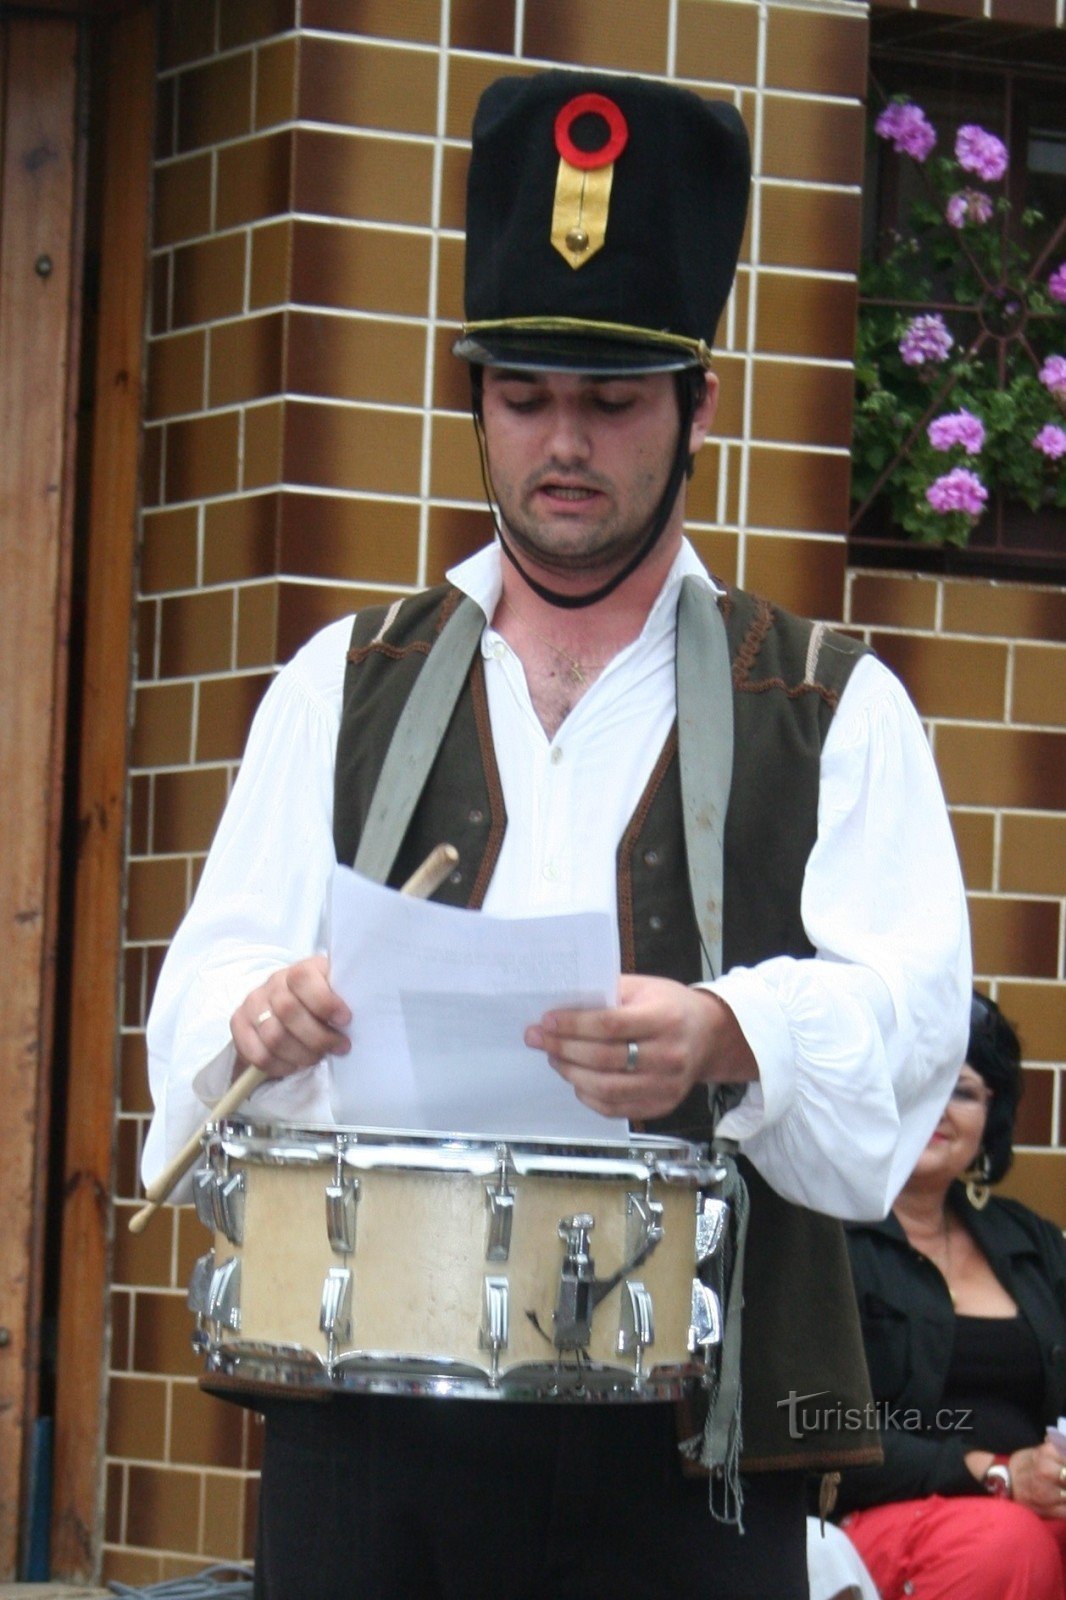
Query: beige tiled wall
307	449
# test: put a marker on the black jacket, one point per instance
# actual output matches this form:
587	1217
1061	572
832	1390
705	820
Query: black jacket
908	1330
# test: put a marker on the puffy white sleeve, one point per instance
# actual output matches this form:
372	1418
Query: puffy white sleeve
260	905
858	1046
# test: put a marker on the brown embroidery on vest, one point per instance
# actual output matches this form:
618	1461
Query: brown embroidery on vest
628	843
447	607
393	652
748	653
497	809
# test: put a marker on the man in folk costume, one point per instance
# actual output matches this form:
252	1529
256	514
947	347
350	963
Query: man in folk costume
751	793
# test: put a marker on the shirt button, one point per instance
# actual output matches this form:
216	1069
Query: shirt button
557	755
498	650
551	871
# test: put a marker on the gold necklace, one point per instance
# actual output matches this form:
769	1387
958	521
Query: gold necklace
577	673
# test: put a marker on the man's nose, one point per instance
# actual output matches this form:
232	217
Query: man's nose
569	434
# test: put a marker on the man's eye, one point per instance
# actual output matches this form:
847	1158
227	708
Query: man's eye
522	404
612	408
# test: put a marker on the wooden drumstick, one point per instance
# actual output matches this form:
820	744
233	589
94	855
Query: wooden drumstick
423	882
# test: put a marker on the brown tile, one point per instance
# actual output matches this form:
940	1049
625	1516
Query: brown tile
810	228
254	179
1005	610
136	1418
152	467
368	86
948	677
797	489
732	378
114	1509
960	8
891	601
1002	767
468	77
156	899
275	83
803	575
240	537
362	177
1033	1122
451	375
163	1328
367	541
162	724
1015	937
208	280
360	267
732	332
227	706
133	1074
133	989
816	51
246	21
126	1178
186	32
164	1508
305	608
142	1259
182	200
133	1568
1030	13
251	1506
257	625
204	1432
159	293
138	810
801	403
348	447
584	33
223	1535
264	427
455	473
187	808
168	550
246	359
416	20
476	26
975	837
819	141
1038	1012
701	503
455	163
355	358
175	381
450	291
1038	693
121	1302
718	550
454	534
1032	856
271	270
202	456
215	101
718	40
197	634
803	316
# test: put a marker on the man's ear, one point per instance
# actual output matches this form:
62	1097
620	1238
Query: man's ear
704	414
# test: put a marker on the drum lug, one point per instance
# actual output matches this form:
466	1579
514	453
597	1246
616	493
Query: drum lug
335	1316
705	1329
711	1218
341	1201
577	1278
492	1335
198	1298
499	1201
637	1324
220	1203
644	1227
224	1295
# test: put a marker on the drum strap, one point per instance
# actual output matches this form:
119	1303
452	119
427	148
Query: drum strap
416	741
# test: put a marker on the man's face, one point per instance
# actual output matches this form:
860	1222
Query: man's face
579	464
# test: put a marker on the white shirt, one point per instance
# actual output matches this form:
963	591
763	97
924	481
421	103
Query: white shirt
857	1046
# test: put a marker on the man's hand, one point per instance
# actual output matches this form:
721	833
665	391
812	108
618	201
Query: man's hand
1036	1480
682	1036
291	1021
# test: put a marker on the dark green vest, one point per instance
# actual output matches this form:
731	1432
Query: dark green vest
801	1331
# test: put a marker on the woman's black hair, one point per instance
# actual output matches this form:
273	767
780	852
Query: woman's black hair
994	1051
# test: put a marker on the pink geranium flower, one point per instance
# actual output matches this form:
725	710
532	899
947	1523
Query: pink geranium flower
980	152
967	205
1053	376
925	341
960	427
958	490
1056	284
907	127
1051	441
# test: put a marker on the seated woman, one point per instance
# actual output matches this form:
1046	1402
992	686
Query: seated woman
963	1304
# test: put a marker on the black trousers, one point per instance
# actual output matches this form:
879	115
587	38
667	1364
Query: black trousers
387	1498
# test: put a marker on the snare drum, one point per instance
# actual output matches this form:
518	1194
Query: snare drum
412	1264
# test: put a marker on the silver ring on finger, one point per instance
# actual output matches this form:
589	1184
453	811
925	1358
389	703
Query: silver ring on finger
632	1055
264	1016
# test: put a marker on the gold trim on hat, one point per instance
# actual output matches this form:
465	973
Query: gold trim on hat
579	218
583	325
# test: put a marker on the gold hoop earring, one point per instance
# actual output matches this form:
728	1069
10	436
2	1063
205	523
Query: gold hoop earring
977	1189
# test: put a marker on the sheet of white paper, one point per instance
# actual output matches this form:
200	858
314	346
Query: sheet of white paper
440	1000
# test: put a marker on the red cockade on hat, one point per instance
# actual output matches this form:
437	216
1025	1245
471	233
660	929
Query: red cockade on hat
583	184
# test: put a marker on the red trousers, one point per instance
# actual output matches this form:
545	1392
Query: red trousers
967	1548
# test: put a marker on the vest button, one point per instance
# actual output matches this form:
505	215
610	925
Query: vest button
655	924
456	877
477	815
651	858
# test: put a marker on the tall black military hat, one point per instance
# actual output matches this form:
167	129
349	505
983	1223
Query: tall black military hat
604	219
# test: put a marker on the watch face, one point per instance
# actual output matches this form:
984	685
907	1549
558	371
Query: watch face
997	1480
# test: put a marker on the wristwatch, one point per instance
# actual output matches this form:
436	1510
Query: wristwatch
997	1477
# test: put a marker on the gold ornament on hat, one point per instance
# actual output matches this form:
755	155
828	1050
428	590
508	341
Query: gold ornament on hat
583	182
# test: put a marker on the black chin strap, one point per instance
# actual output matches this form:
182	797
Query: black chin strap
687	392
